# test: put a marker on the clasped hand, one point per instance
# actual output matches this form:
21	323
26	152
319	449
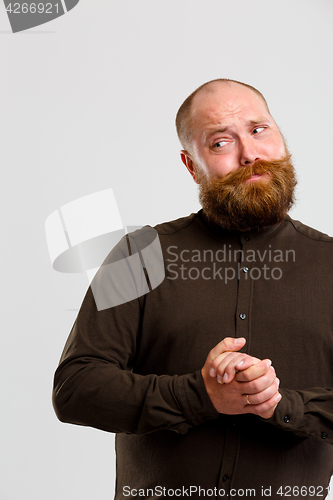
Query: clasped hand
238	383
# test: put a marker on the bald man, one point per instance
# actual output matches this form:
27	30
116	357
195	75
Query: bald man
218	382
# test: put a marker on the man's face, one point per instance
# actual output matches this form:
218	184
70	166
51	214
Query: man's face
231	128
239	159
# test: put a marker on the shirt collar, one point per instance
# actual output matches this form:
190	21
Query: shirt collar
255	235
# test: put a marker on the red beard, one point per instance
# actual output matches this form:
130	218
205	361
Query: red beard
237	205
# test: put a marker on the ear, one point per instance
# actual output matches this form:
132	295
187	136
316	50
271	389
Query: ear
188	162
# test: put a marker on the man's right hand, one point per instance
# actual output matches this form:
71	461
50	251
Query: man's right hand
234	379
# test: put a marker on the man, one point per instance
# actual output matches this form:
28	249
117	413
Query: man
233	351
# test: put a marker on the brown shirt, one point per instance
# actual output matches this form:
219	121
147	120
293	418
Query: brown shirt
134	369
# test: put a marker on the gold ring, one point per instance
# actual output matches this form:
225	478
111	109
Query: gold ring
247	399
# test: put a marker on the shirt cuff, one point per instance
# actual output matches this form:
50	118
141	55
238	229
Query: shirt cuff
296	413
193	398
289	412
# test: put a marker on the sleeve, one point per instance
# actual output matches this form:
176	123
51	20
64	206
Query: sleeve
307	413
96	384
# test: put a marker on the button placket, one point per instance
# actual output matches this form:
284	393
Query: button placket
231	450
244	291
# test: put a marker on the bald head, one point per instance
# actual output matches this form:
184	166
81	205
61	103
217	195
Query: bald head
185	119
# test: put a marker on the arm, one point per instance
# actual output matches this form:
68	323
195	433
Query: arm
307	413
94	384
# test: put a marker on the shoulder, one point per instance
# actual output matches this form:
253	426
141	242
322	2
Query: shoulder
143	237
176	225
307	231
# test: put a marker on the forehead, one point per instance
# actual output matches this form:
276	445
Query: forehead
226	103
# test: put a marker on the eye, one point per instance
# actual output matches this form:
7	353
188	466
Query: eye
220	144
257	130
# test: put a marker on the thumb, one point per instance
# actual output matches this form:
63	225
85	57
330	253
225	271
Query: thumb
228	344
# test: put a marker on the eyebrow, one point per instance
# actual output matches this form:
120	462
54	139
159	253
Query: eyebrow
224	128
259	120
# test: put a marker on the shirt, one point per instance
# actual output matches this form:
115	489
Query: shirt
135	369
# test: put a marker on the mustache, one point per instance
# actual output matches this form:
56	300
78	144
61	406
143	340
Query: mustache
237	178
237	205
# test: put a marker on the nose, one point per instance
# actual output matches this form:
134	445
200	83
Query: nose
248	152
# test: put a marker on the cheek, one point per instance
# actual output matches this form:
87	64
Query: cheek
273	151
213	165
281	151
279	148
223	166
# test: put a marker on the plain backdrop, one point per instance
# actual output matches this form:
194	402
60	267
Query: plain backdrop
88	102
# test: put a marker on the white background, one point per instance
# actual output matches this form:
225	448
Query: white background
88	102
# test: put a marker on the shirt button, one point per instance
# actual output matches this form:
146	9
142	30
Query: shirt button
286	419
225	478
245	269
242	316
324	435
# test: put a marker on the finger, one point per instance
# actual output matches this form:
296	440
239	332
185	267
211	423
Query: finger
247	362
270	413
227	344
222	360
260	384
261	397
224	366
265	409
254	371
